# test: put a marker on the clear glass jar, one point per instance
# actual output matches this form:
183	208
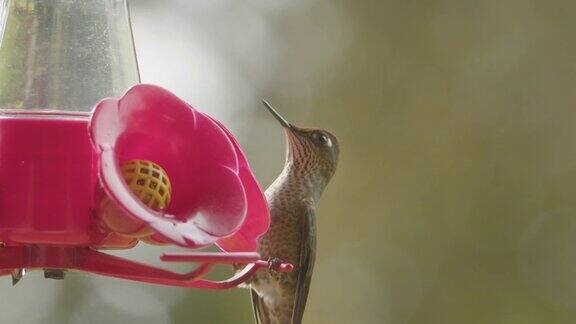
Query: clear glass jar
58	58
64	55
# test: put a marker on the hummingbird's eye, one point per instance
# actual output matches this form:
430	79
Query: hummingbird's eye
322	139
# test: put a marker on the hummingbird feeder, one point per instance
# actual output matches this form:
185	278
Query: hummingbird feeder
92	160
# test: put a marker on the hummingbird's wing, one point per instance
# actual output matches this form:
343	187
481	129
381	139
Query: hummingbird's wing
260	311
306	262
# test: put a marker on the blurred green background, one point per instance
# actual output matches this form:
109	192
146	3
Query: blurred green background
454	199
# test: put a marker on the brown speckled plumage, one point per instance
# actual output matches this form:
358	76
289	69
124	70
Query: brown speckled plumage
311	160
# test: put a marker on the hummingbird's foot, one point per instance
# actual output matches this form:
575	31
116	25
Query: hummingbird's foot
274	264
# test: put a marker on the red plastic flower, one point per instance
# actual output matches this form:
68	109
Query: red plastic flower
215	197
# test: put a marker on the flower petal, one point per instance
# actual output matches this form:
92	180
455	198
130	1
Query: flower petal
209	197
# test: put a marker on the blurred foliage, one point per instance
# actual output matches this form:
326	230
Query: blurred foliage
453	202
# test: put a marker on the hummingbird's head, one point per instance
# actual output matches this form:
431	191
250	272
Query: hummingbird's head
312	151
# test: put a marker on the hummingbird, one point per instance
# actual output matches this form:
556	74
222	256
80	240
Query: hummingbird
311	160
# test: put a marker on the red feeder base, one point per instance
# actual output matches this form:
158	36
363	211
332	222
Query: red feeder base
89	260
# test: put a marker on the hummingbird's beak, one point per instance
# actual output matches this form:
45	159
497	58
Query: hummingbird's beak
278	117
